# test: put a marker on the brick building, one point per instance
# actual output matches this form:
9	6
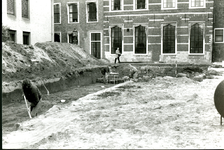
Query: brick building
159	30
29	21
218	45
80	22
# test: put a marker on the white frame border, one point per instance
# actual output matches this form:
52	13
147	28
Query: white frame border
214	35
68	11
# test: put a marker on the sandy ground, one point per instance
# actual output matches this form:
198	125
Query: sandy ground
164	112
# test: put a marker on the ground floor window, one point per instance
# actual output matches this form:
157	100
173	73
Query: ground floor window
116	39
12	35
26	38
96	45
140	40
196	38
57	37
169	42
219	35
73	39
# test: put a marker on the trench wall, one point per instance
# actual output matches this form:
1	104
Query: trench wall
71	79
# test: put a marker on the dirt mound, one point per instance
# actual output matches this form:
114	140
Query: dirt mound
43	60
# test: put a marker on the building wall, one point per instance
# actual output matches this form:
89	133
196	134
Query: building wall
218	48
83	27
39	23
153	18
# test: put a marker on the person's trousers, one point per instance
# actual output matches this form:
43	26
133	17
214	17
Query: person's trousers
118	58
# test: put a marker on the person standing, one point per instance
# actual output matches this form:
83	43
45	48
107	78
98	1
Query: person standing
118	54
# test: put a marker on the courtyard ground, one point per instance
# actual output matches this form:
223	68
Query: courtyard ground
164	112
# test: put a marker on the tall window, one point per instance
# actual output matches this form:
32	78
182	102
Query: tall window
196	39
57	37
92	12
141	4
169	3
73	39
169	39
12	35
116	39
25	9
95	45
116	4
140	40
56	13
219	35
26	38
73	13
197	3
11	7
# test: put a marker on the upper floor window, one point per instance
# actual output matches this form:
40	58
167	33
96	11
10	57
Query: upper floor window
197	3
25	9
56	13
169	4
169	42
92	11
11	7
73	12
196	38
116	4
219	35
141	4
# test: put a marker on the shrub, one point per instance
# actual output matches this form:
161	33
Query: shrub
5	34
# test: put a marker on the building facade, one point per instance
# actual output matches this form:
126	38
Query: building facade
159	30
218	41
80	22
29	21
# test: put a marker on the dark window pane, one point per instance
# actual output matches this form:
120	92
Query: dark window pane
196	39
11	7
25	9
73	39
169	39
117	5
140	4
140	40
116	39
26	38
56	37
12	35
73	13
56	13
92	11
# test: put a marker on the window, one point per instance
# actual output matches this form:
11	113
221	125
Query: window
116	39
26	38
196	38
73	38
169	4
95	45
140	40
57	13
92	12
73	13
219	35
140	4
169	39
197	3
57	37
11	7
25	9
116	4
12	35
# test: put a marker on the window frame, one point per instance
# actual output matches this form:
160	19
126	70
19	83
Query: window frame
167	8
77	3
101	48
71	32
135	3
190	6
146	36
60	36
222	34
121	5
14	32
202	23
87	13
162	25
29	37
122	37
59	13
14	8
28	10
